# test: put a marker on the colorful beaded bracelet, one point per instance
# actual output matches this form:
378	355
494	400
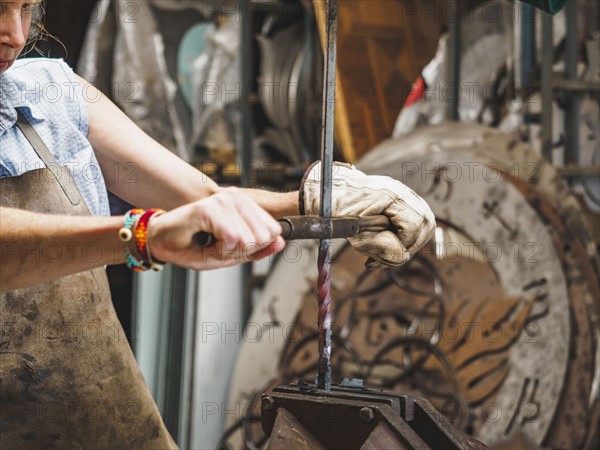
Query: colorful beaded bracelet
155	264
131	217
137	253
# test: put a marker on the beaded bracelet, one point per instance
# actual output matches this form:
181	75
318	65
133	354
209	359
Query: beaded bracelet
131	217
137	253
156	264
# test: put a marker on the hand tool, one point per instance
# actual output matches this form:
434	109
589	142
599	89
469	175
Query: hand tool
314	227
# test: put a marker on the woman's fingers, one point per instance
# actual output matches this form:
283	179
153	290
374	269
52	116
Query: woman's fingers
256	228
244	232
264	227
271	249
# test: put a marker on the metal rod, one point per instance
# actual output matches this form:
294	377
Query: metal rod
527	45
584	87
312	227
246	77
575	171
572	98
453	65
327	142
247	135
546	85
327	136
315	227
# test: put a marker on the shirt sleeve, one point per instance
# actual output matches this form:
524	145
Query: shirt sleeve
76	98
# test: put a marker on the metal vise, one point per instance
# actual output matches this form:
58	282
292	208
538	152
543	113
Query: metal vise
303	417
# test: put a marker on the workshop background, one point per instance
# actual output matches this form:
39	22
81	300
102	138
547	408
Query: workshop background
487	109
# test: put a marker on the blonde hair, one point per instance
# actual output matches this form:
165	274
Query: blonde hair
37	31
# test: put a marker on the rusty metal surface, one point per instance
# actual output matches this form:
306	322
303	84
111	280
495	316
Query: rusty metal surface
382	437
527	363
289	433
313	227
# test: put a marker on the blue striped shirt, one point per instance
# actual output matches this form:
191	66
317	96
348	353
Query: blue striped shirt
55	102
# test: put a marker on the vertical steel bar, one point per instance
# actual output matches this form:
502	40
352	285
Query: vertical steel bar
527	45
546	84
572	99
453	66
246	79
246	16
327	142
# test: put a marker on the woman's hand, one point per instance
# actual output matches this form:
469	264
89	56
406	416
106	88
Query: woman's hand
245	232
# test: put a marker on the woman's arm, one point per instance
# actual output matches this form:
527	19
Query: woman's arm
35	248
161	179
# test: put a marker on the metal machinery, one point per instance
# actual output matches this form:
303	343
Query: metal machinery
352	417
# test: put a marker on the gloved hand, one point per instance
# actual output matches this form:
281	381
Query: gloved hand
357	194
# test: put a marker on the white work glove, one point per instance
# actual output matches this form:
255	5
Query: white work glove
357	194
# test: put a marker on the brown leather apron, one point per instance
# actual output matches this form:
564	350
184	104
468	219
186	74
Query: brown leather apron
68	378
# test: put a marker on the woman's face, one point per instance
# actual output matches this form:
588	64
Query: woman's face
15	22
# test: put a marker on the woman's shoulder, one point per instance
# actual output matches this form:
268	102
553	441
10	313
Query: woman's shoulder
49	88
40	69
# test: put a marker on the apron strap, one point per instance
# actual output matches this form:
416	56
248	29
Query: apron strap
47	157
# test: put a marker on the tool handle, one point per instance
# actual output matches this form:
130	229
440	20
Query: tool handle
206	239
375	223
314	227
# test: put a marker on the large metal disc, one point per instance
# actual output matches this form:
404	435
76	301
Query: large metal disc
495	322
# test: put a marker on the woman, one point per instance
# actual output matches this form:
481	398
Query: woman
63	144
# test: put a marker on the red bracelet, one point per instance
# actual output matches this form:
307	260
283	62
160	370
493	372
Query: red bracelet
138	254
141	232
155	263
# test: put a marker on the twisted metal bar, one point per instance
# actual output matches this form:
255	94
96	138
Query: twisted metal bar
324	260
324	316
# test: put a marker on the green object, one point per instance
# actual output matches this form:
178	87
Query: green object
192	46
550	6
